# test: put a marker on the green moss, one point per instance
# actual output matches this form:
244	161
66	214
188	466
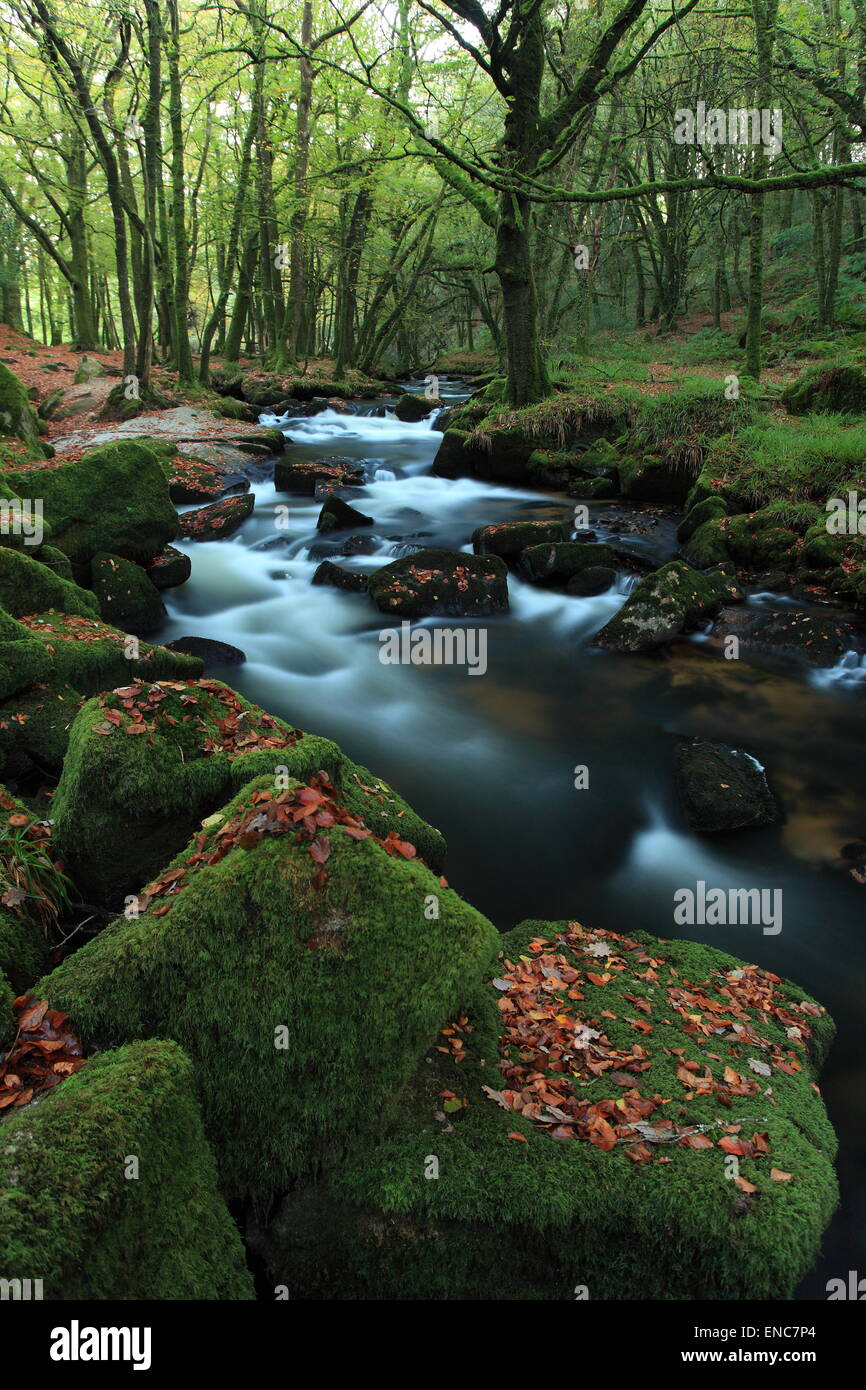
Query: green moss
55	560
115	498
509	538
28	586
709	509
126	804
707	545
545	1218
680	425
384	810
17	416
837	389
126	597
91	655
23	951
23	659
37	722
71	1216
354	973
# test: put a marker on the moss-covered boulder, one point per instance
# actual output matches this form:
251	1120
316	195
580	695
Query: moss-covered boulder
127	597
17	416
35	725
827	390
585	1144
29	586
722	788
91	655
761	541
653	479
509	538
24	660
148	761
557	564
673	600
54	560
410	408
707	545
302	961
108	1187
709	509
442	583
114	498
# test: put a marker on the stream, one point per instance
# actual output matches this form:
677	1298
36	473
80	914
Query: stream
491	761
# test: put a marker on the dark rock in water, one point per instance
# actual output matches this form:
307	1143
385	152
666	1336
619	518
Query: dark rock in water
360	545
817	639
170	568
585	534
443	583
303	409
652	479
217	521
340	578
302	478
127	597
555	564
212	652
411	408
352	545
511	537
595	580
722	788
337	515
672	601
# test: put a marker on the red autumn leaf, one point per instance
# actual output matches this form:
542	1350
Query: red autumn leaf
320	849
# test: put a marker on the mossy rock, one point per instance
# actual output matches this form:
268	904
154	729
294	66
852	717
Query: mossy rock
91	655
441	583
410	408
383	810
709	509
125	594
126	803
54	559
650	479
476	1201
509	538
667	603
707	545
71	1215
36	723
593	489
115	498
23	658
17	416
759	541
304	994
556	564
827	390
29	586
24	952
231	409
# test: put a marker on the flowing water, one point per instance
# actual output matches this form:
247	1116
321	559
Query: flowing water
491	759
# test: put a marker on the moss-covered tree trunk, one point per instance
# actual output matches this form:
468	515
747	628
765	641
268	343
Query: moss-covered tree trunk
764	14
524	361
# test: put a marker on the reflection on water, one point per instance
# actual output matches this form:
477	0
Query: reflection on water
491	761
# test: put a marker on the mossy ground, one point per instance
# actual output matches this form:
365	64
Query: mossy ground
28	586
540	1217
91	655
237	949
71	1214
